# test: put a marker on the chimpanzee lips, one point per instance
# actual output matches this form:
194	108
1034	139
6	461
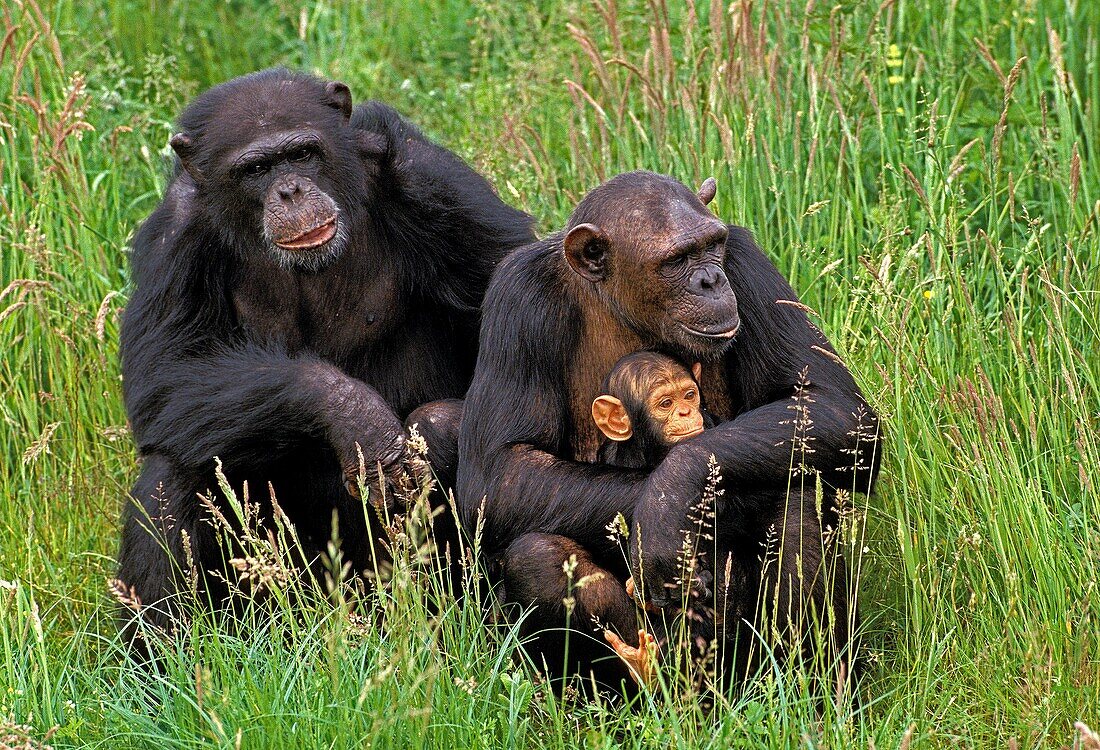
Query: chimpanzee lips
686	435
723	331
312	238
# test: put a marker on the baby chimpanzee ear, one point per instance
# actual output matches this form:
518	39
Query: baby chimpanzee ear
697	371
610	416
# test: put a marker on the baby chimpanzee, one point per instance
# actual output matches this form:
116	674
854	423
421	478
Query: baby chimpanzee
649	403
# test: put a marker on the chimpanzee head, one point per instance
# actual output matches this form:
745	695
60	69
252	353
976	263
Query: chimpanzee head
276	165
656	256
651	399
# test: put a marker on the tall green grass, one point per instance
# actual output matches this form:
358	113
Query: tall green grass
927	177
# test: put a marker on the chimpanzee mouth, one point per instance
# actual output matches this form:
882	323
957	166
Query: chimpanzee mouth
686	435
718	332
312	238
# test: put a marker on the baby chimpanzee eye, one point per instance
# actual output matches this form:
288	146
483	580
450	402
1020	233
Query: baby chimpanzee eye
666	403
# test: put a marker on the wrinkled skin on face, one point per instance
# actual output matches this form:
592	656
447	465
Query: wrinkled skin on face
278	178
657	257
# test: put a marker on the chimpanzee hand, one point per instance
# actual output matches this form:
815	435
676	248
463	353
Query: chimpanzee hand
378	448
366	435
665	543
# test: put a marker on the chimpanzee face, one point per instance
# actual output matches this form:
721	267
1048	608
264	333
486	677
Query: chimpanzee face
275	166
673	409
650	398
657	257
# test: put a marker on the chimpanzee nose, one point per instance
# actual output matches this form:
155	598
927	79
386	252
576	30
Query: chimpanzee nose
289	190
709	281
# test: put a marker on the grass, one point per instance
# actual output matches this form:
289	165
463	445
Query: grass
926	175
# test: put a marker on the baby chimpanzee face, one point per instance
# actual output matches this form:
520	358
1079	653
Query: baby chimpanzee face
673	406
650	400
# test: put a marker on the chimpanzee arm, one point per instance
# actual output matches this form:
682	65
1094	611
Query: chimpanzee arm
511	477
511	480
196	389
802	406
524	489
804	414
248	405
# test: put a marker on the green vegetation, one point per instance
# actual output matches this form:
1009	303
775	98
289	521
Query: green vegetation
925	173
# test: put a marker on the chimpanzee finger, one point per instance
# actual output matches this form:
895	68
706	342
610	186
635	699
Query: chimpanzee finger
352	487
701	583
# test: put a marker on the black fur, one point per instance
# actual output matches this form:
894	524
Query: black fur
643	451
520	467
279	372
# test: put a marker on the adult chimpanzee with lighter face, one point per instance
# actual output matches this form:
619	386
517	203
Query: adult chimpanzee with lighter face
313	275
647	404
643	264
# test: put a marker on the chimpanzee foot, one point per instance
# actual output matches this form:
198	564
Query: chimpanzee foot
642	660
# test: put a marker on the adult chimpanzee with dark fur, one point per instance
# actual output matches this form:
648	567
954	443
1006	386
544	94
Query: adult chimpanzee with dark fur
648	403
313	275
643	264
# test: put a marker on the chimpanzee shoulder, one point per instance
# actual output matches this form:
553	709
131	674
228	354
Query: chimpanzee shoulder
525	305
455	225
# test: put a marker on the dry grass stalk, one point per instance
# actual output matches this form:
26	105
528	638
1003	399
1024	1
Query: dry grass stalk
1002	123
1074	174
101	315
992	61
41	445
958	164
1086	738
21	737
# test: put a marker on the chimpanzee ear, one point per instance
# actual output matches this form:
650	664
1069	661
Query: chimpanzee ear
697	371
586	249
340	97
372	145
610	416
707	190
185	149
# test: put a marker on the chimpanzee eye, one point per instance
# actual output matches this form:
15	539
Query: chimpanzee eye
666	403
676	263
256	169
300	155
690	395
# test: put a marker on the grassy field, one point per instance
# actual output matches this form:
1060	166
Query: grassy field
926	174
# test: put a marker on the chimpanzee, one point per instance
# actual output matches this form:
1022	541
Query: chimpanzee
648	403
313	274
642	264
